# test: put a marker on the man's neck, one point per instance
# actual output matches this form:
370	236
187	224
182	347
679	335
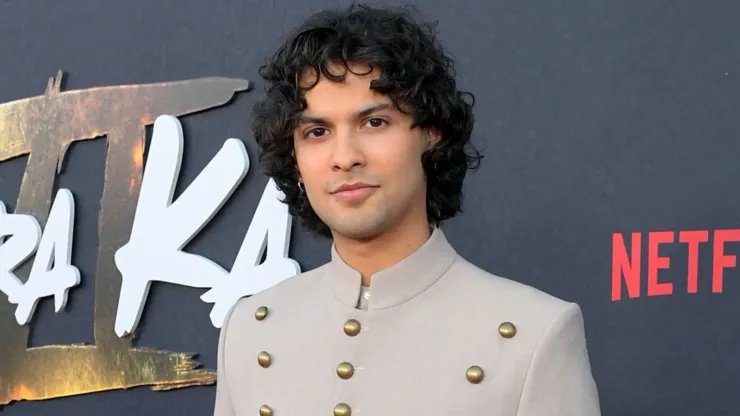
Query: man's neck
380	252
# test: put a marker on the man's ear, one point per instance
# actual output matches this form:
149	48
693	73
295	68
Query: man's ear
295	166
433	136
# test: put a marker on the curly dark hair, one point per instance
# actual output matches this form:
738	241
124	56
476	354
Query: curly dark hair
414	71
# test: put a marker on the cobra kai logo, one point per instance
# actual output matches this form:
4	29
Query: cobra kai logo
141	233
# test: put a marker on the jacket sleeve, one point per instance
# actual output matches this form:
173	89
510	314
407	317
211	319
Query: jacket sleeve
223	401
559	380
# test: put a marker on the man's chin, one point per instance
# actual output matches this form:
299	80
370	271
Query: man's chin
358	229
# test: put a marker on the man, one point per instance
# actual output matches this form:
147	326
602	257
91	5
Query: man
366	134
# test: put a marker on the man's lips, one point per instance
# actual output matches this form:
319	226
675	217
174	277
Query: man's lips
353	187
356	192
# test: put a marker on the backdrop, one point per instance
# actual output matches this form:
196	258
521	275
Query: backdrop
609	130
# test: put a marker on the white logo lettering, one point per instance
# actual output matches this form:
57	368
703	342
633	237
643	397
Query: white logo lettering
161	228
52	273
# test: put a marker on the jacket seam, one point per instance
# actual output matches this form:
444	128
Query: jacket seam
222	351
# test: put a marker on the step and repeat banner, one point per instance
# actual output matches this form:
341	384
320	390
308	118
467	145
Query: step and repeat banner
133	213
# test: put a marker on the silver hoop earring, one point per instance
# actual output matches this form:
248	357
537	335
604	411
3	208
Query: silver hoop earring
300	186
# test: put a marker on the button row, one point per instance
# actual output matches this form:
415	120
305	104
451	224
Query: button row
345	370
342	409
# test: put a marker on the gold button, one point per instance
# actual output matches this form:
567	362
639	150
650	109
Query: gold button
265	411
352	327
345	370
261	313
474	374
342	410
264	359
507	330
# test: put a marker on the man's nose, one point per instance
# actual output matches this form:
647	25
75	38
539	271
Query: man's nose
347	152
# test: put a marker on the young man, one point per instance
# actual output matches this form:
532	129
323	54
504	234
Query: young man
365	132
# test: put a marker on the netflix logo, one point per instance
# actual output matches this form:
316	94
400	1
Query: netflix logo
627	264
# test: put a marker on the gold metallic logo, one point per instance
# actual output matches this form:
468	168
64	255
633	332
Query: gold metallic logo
43	127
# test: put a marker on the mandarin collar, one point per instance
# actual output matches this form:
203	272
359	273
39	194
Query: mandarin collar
398	283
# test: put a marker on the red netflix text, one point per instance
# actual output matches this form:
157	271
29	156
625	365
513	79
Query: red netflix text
626	265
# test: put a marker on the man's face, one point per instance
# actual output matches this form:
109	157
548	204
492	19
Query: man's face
358	157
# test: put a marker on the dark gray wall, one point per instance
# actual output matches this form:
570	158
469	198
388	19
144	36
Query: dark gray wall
595	118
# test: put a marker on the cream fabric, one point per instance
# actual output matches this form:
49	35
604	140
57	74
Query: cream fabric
427	320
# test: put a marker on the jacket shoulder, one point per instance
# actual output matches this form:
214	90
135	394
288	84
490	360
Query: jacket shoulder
289	292
503	297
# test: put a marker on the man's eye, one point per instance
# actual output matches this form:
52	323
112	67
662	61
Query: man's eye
317	132
376	122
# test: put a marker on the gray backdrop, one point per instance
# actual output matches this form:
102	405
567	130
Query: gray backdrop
595	118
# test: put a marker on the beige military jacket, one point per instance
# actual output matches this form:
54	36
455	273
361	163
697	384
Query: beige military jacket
435	336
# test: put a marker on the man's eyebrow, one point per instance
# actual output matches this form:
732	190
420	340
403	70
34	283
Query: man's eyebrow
307	119
304	119
366	112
